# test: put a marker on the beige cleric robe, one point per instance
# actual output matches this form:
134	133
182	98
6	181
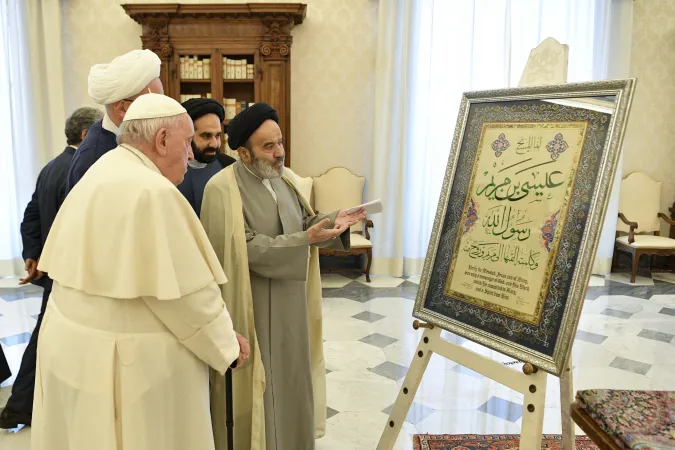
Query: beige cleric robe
135	317
274	296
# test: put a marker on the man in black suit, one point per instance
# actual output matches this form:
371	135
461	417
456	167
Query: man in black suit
50	192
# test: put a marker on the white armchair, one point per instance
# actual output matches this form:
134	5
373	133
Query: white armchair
639	215
339	189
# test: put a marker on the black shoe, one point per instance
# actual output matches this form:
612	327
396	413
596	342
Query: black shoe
10	419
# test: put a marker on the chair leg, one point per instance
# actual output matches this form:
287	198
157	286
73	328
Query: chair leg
369	255
635	261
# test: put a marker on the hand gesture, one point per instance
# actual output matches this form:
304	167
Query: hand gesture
33	272
244	350
319	232
343	218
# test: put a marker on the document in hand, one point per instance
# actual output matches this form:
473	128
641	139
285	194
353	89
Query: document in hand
371	208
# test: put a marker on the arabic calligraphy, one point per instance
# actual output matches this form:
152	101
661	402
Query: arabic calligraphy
514	213
514	191
511	254
502	220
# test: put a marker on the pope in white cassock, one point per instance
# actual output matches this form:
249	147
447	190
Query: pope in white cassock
136	315
267	237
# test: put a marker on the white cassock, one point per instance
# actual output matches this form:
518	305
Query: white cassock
135	317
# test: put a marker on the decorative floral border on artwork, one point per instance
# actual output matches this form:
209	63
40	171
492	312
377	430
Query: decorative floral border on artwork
542	337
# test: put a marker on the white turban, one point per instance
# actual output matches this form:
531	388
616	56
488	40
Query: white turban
124	77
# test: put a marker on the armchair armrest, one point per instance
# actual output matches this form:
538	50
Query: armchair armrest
632	225
369	224
667	219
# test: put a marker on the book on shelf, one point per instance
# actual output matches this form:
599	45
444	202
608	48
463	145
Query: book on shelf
193	68
186	97
237	69
233	107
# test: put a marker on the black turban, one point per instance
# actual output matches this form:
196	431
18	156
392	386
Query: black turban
246	122
198	107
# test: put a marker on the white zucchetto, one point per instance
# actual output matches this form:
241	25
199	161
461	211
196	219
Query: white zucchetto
152	106
124	77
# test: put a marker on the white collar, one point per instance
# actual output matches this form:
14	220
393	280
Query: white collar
109	125
194	164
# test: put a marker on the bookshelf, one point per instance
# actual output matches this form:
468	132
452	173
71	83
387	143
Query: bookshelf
236	53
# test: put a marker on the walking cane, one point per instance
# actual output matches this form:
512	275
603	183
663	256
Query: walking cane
229	423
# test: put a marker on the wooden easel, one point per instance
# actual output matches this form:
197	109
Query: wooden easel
546	65
531	382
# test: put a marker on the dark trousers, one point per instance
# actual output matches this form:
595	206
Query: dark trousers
21	400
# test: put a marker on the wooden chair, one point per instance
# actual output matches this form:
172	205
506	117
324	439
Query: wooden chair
339	189
639	214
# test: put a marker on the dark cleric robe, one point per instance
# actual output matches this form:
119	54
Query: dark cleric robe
195	180
50	192
96	143
4	367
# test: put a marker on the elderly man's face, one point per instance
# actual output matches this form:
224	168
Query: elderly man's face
176	150
266	157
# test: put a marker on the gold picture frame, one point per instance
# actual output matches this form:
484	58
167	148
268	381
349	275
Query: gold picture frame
500	287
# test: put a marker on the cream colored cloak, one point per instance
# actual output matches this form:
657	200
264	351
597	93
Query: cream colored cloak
134	319
223	221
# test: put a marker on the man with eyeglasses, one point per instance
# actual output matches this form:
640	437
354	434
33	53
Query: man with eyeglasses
115	85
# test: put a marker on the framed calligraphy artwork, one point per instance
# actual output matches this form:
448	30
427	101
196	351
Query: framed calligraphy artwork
520	214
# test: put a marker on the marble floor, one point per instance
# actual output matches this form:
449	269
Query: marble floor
626	340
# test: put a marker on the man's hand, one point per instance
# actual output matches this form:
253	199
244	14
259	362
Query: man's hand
350	219
319	232
33	273
244	350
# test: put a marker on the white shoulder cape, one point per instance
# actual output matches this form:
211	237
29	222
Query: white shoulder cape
125	231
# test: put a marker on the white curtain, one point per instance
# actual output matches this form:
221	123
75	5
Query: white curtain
429	53
32	112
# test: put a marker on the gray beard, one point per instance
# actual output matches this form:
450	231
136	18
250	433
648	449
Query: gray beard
265	169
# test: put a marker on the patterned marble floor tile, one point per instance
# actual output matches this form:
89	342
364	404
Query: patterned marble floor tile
9	282
390	370
452	390
361	431
646	351
330	412
353	291
15	339
590	337
624	278
415	280
616	313
466	371
334	280
378	340
359	391
397	307
381	281
368	316
609	378
588	355
416	413
344	329
656	336
351	355
667	311
630	365
341	307
665	276
504	409
597	281
662	377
